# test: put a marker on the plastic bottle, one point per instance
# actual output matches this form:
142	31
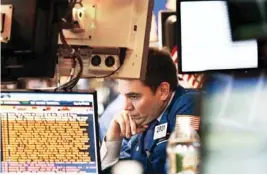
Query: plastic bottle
183	148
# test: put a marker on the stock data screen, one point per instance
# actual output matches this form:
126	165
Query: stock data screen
48	132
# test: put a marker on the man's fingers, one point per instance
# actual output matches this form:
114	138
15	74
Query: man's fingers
133	126
127	125
121	122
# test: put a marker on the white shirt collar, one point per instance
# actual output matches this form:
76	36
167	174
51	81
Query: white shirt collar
160	116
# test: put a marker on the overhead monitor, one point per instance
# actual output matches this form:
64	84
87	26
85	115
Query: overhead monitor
29	40
233	125
204	39
46	132
113	36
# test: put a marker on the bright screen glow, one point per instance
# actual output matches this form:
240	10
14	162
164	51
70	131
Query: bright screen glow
206	39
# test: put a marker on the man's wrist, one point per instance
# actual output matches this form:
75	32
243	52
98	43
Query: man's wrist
110	153
113	137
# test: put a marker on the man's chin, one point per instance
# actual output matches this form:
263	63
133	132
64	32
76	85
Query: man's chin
140	122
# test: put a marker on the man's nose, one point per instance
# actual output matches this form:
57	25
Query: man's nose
128	106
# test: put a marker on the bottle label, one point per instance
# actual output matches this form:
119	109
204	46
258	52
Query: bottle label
192	120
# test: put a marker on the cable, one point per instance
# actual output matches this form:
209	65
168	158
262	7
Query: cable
76	79
69	12
69	85
71	6
74	54
72	72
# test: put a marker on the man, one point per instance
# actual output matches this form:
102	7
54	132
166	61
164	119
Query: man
150	105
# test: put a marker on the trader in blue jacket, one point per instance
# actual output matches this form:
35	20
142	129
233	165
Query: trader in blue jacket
149	115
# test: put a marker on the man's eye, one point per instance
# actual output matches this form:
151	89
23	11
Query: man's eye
134	97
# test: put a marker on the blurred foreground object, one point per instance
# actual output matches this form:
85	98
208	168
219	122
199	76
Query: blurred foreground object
127	167
233	124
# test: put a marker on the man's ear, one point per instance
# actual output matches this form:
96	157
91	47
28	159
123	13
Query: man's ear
164	91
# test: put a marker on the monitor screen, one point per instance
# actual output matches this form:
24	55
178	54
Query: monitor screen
233	125
49	132
204	39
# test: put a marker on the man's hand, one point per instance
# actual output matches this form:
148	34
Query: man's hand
122	125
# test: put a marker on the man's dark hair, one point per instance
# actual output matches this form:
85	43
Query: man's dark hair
160	68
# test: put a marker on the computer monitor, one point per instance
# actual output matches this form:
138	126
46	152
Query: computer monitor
49	132
204	39
29	37
233	125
